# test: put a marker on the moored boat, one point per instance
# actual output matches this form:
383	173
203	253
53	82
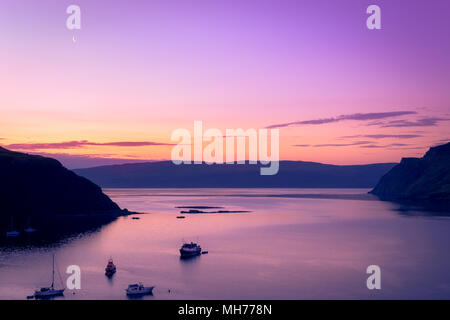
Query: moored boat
48	292
190	250
110	268
138	289
11	232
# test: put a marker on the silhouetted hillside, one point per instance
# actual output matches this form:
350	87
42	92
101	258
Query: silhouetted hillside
39	188
292	174
418	178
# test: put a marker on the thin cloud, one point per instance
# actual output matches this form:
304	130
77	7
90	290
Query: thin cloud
131	144
424	122
354	117
410	148
83	143
383	136
356	143
373	146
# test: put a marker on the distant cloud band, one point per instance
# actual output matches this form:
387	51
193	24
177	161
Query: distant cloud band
360	144
424	122
83	143
356	143
383	136
355	116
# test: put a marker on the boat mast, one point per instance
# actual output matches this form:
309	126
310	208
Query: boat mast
53	271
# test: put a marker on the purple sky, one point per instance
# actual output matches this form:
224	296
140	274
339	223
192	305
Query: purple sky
140	69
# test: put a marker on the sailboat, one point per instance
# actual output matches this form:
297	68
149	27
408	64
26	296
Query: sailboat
12	232
47	292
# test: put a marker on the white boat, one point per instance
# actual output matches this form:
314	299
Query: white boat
47	292
190	250
12	233
138	289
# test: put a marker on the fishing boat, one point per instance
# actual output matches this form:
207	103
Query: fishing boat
190	250
48	292
110	268
11	232
138	289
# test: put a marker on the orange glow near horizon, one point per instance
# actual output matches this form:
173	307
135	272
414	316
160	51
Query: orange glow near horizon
331	143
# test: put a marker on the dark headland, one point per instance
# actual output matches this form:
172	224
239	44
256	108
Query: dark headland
426	178
39	189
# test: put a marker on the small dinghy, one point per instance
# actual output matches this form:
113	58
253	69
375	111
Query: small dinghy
138	289
12	234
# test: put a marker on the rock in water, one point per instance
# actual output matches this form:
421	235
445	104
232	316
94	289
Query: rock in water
426	178
38	187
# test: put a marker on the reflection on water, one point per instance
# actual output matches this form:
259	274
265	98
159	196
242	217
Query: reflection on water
293	244
189	260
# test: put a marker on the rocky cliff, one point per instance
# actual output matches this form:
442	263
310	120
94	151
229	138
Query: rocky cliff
426	178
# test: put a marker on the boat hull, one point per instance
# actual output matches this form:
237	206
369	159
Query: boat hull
110	273
145	291
48	294
190	254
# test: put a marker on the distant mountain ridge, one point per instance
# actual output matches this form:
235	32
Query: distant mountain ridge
292	174
418	178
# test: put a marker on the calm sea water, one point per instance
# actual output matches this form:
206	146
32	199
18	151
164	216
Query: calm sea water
294	244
